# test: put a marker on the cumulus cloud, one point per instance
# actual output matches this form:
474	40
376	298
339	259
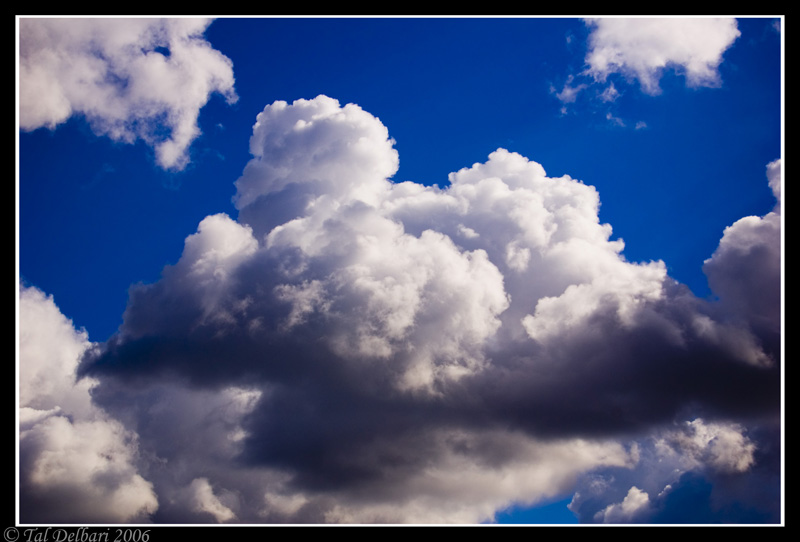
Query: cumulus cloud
624	51
634	503
352	349
693	472
746	269
201	494
77	464
131	79
642	49
713	471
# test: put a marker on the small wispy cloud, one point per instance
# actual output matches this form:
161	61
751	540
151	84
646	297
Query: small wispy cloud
610	93
616	121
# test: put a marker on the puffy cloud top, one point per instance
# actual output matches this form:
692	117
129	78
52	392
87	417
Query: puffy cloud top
340	149
745	270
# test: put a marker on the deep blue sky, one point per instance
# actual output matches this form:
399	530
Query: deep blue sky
97	216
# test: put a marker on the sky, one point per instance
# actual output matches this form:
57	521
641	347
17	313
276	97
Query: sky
406	270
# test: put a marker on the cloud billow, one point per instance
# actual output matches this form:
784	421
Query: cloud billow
641	49
352	349
622	52
77	463
131	79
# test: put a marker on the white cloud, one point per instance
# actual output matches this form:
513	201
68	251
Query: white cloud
719	446
47	381
130	78
568	93
643	48
351	152
77	464
623	290
671	479
745	269
610	93
635	502
204	501
775	179
627	50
